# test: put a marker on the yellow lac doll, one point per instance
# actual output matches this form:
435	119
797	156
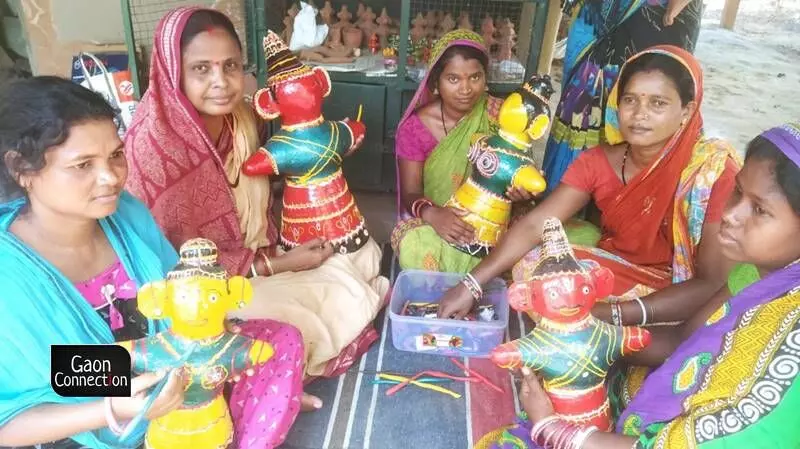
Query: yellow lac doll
500	161
196	296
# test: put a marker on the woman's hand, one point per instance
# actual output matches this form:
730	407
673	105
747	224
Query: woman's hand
170	398
533	399
307	256
456	303
447	223
518	195
674	7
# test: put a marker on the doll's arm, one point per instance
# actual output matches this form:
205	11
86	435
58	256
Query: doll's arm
529	179
634	339
351	136
261	163
260	352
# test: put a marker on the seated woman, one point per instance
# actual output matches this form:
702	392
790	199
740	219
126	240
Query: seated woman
432	144
76	247
190	135
660	185
728	377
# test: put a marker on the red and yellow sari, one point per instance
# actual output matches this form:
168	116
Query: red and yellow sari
651	227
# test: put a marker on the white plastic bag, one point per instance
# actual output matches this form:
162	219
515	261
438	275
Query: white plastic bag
115	87
306	33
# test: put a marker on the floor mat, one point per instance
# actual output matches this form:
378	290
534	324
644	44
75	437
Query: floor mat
359	415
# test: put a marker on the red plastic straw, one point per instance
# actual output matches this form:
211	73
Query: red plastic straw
470	372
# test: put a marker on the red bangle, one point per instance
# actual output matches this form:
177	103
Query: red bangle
418	205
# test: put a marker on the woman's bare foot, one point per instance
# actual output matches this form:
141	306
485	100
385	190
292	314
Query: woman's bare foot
310	403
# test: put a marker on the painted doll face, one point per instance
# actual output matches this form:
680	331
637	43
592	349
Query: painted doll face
565	298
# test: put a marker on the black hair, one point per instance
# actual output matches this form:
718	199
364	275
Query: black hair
37	114
786	172
465	52
670	67
205	19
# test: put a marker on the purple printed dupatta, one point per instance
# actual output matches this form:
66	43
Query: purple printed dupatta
657	401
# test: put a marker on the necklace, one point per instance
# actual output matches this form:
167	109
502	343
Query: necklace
624	160
441	111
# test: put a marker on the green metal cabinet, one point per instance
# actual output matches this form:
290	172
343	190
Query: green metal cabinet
362	167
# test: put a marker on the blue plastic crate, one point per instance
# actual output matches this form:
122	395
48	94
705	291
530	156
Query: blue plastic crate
445	337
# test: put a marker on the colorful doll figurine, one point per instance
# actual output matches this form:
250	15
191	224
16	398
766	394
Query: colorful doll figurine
307	149
569	348
501	160
196	296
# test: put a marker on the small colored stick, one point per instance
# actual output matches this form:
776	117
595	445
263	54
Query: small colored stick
360	111
435	388
427	380
439	374
475	374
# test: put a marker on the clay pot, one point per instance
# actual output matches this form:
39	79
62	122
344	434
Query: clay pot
353	37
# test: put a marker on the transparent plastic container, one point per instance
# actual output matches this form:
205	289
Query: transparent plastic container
444	337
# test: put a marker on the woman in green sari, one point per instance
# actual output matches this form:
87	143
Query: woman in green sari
432	142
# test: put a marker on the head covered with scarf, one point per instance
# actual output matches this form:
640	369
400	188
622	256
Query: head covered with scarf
191	183
678	183
709	340
447	165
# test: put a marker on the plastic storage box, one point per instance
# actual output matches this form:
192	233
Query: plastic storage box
444	337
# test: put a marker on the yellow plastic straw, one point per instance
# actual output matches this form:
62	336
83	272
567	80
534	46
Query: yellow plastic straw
435	388
360	111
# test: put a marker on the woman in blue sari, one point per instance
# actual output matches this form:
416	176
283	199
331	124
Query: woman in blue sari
602	36
75	247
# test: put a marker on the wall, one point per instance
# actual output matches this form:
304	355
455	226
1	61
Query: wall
59	29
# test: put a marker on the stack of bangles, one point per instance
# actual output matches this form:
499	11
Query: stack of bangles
111	419
616	311
555	432
418	205
267	265
473	286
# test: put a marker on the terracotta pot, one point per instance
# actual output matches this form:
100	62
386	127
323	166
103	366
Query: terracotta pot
353	37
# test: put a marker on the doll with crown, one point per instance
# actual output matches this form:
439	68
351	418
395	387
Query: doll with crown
570	349
500	161
308	150
196	296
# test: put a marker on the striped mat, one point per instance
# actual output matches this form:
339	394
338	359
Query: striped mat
358	414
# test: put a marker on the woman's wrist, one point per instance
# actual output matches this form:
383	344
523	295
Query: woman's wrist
280	264
420	206
263	265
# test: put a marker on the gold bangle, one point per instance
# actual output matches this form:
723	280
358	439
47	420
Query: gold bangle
267	264
253	271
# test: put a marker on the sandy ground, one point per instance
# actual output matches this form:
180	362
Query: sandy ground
752	74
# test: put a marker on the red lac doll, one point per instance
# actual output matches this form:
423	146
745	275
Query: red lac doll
309	150
569	348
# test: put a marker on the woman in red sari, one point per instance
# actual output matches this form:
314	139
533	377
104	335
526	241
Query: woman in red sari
190	135
660	186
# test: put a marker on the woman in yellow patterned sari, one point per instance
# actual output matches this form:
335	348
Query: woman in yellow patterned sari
727	378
